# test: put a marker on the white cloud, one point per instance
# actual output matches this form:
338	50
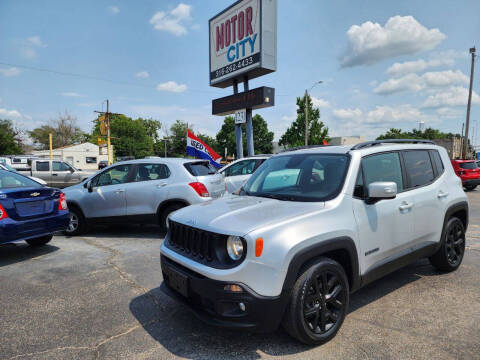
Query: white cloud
393	114
320	103
172	21
345	114
11	71
114	10
172	86
400	69
454	96
10	114
142	74
28	53
401	35
36	41
71	94
449	113
415	83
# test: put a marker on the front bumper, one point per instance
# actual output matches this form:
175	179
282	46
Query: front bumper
211	303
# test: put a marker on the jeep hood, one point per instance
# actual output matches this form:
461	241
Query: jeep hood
239	215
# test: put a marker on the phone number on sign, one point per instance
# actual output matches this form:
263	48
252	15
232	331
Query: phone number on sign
234	67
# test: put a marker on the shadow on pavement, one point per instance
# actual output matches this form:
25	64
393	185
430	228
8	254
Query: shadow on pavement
18	252
124	231
181	333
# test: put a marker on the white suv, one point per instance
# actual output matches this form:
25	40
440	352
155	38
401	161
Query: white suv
239	171
309	228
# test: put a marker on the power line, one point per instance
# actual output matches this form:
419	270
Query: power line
96	78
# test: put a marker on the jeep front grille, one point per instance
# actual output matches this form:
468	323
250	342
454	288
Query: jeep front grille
202	246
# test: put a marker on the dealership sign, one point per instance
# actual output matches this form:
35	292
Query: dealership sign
243	42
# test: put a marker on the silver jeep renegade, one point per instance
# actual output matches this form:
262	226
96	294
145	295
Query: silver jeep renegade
310	227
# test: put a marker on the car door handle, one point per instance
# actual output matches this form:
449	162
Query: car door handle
442	194
54	174
119	191
405	206
161	185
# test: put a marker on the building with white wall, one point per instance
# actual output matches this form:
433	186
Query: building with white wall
84	156
346	140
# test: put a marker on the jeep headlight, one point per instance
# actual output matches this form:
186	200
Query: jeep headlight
235	247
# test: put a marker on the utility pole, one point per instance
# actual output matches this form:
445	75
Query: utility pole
50	145
306	110
466	155
107	120
109	154
306	117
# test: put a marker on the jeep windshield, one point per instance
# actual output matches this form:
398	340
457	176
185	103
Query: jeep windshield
299	177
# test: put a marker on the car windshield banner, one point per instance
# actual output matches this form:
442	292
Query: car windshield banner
197	148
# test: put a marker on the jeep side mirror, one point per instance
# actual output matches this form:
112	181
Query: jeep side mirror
381	190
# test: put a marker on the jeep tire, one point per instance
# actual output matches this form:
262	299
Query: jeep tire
39	241
450	254
318	302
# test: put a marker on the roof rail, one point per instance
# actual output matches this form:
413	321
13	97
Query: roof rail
302	147
390	141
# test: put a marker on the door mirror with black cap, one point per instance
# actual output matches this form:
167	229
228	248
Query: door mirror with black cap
88	185
381	190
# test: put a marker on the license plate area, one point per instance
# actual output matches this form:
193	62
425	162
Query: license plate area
176	280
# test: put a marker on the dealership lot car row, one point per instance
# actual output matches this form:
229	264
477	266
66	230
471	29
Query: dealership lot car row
306	230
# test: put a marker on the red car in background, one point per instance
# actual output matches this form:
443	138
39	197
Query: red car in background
468	171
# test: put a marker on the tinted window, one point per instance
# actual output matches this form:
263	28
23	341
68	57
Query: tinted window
13	180
468	165
200	168
418	167
60	166
299	177
91	160
244	167
437	161
147	172
113	176
43	166
383	167
359	190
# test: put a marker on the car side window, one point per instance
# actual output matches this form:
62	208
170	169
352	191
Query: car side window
113	176
437	160
43	166
147	172
383	167
60	166
359	190
245	167
418	167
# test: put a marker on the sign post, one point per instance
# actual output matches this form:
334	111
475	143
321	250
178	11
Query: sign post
243	46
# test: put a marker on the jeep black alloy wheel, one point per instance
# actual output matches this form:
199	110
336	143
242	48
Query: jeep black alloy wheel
318	303
450	254
324	303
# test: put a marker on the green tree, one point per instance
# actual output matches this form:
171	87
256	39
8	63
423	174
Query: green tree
210	141
64	132
152	127
428	133
295	134
177	145
129	137
10	141
262	137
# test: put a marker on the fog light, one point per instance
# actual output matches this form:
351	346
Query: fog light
233	288
241	306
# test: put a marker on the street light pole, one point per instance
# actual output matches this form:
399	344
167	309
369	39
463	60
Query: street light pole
306	110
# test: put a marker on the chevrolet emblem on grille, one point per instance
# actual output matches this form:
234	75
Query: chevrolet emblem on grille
35	194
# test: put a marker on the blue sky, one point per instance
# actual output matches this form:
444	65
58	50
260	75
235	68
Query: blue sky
384	64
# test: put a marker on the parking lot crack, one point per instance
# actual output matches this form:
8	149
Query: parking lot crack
35	354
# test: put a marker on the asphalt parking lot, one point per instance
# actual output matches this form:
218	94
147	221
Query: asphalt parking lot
97	297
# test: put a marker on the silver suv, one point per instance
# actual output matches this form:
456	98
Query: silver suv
239	171
309	228
141	191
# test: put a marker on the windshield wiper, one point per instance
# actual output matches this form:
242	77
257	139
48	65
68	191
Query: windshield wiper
277	196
